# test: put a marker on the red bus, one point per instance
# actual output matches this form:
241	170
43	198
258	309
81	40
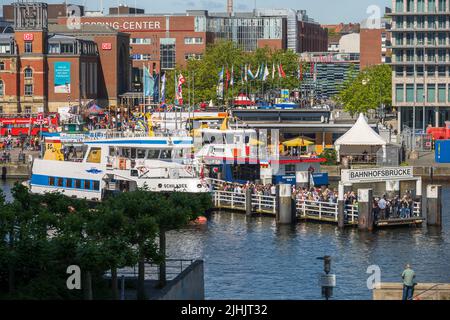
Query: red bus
24	124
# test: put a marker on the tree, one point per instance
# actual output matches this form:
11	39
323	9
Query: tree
368	90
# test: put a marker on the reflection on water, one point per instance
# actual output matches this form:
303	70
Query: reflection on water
253	258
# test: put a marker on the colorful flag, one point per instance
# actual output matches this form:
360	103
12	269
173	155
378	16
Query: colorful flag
228	79
156	88
257	73
261	75
282	73
250	74
232	76
220	85
149	83
163	89
266	73
245	73
181	81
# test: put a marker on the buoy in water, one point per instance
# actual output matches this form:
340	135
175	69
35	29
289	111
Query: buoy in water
201	220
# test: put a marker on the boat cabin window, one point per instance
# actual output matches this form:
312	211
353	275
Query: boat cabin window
178	154
51	181
78	184
133	153
113	152
97	185
60	182
87	184
94	155
141	153
166	154
68	183
126	153
153	154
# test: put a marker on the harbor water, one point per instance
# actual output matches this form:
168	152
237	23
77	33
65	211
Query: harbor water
253	258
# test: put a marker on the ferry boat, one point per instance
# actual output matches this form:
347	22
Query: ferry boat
111	165
237	156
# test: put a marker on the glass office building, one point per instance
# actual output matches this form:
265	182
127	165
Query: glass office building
420	62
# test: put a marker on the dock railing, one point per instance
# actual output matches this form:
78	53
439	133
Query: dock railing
264	204
229	200
325	211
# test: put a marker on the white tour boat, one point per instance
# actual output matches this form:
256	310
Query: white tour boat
158	164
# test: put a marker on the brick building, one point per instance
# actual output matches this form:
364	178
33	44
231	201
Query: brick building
375	42
44	67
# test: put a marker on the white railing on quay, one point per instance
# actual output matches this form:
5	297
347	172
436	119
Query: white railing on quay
264	203
230	200
417	209
316	208
351	212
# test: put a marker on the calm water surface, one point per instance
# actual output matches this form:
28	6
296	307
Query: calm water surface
252	258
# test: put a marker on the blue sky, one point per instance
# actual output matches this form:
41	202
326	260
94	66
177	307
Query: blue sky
323	11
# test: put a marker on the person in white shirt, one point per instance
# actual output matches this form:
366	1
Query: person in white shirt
382	205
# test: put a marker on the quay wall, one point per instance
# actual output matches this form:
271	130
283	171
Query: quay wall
423	291
188	285
16	171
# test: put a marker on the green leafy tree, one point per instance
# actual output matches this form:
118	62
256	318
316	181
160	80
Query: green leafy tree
368	90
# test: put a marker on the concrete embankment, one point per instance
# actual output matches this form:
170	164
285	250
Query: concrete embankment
15	171
423	291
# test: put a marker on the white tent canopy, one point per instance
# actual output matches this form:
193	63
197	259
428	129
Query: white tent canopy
360	137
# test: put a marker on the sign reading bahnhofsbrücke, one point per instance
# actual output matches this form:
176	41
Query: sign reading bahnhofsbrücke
377	174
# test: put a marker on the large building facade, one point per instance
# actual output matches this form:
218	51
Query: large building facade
420	62
44	67
165	41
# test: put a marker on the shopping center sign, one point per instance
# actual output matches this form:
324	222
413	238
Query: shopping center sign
377	174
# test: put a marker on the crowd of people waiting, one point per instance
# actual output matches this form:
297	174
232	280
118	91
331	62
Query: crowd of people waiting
383	207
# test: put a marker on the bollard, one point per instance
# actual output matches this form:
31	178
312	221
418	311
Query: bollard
434	205
248	202
284	196
365	212
341	217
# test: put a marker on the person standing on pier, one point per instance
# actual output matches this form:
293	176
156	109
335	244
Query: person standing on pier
408	277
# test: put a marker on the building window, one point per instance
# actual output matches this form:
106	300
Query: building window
419	71
409	93
195	40
420	93
420	5
2	66
441	5
5	48
431	6
28	73
140	41
28	109
410	6
442	72
168	53
398	5
431	71
28	47
54	48
2	88
28	89
431	93
66	47
399	71
442	88
399	93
